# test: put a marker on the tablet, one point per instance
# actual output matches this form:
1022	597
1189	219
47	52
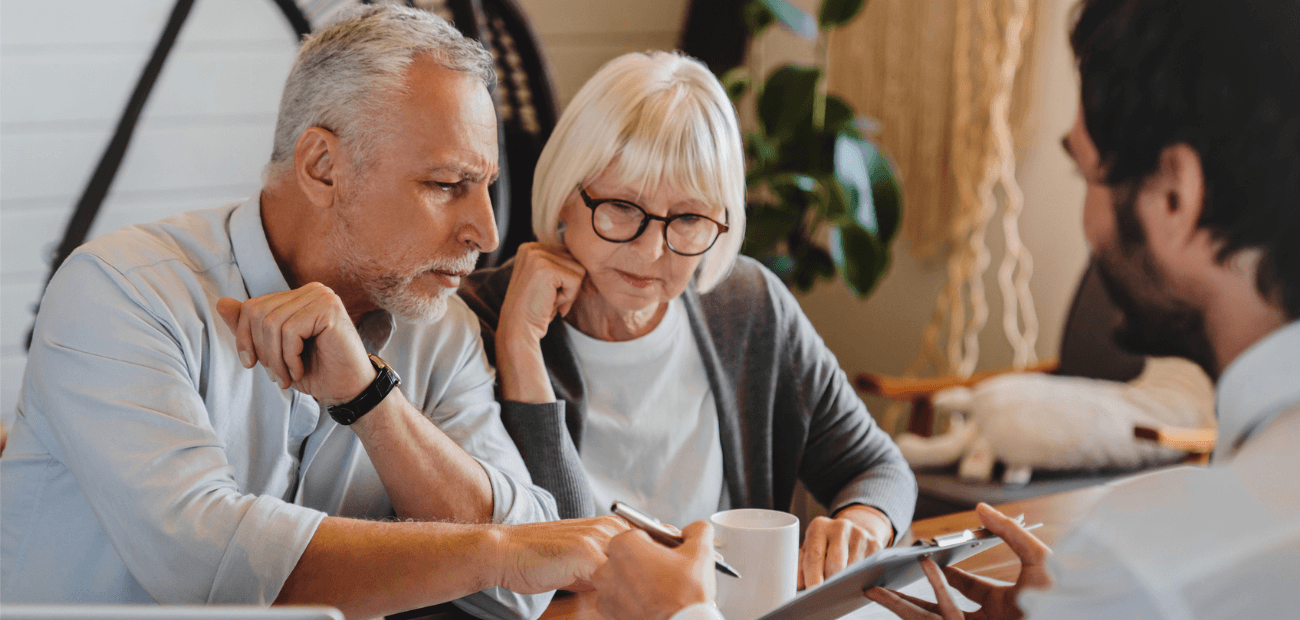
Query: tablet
891	568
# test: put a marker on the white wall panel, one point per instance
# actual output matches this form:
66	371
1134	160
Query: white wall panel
134	23
162	156
92	90
66	71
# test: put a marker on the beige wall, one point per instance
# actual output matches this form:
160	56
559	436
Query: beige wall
581	35
883	332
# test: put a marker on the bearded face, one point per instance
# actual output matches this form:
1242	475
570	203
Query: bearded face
1155	321
412	288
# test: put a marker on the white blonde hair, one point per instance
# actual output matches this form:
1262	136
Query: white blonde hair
657	117
347	76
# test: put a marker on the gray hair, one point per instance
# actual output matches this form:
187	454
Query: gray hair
346	76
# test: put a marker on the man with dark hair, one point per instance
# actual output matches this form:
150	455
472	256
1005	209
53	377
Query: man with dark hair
1188	136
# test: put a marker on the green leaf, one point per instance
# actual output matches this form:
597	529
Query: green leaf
793	18
812	263
853	160
859	257
840	118
887	193
736	82
875	200
765	228
811	151
757	18
859	239
836	13
760	150
786	103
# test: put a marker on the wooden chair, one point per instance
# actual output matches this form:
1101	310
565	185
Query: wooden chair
1087	350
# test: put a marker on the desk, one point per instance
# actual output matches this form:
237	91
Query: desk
1057	513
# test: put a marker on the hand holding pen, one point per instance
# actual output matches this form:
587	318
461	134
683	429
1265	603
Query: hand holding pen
642	579
663	534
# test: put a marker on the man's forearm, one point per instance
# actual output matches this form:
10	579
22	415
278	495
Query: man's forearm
411	456
370	569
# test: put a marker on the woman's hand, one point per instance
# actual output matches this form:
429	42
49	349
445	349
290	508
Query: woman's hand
832	544
545	282
995	601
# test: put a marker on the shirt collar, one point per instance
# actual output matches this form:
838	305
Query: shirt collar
253	252
1256	386
262	275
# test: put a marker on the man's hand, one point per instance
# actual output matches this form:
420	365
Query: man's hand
644	579
831	544
305	340
556	554
545	282
996	602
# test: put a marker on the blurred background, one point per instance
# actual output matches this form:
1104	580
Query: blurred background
67	70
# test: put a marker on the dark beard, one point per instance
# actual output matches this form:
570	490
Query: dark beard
1155	323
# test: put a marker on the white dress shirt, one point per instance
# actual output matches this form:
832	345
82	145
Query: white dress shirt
146	464
1193	543
651	433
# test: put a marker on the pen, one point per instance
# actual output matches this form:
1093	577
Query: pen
661	533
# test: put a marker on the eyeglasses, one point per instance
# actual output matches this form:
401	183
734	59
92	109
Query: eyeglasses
620	221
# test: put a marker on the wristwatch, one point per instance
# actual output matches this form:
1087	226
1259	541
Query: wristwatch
385	380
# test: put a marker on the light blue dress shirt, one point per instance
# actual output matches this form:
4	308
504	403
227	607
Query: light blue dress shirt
146	464
1200	543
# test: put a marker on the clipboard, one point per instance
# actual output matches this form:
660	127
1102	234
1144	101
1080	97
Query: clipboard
892	568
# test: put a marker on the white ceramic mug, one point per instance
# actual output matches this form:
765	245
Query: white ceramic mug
763	545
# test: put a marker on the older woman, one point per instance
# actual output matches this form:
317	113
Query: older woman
641	359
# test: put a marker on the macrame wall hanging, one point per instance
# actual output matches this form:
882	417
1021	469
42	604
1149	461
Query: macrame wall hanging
948	81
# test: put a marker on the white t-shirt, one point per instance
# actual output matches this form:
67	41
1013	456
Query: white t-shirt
651	433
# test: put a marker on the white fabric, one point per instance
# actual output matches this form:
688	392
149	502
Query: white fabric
146	464
651	433
698	611
1201	544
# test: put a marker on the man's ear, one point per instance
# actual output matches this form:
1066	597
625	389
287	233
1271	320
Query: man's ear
316	165
1183	187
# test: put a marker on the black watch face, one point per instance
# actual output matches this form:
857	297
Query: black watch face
343	415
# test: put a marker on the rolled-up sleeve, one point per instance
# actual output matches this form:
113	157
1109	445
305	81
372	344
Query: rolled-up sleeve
111	391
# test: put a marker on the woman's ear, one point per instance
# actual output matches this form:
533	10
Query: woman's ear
315	165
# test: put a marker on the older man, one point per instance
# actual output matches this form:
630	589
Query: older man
152	461
1189	139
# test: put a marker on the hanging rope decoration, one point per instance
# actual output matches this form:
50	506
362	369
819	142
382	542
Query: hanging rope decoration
983	164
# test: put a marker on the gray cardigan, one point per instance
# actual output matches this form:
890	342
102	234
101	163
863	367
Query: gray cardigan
785	408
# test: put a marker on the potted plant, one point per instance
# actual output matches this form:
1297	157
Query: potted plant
811	166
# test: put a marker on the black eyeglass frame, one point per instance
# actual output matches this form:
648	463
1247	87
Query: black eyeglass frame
592	203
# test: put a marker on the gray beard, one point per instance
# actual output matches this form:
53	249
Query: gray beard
392	290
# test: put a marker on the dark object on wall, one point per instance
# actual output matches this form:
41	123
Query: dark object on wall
97	188
716	34
526	110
